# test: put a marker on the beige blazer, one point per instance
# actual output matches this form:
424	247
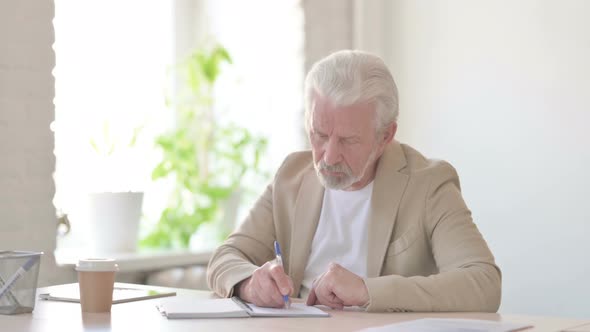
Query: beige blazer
424	251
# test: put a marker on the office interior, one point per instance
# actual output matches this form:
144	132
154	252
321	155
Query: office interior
498	88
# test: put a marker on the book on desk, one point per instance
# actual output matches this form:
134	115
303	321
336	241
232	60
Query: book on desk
187	307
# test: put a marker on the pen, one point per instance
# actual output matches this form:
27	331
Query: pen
19	273
280	261
11	297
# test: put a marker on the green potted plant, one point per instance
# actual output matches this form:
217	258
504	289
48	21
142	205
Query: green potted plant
206	160
114	196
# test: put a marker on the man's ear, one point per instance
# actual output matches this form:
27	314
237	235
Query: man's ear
389	133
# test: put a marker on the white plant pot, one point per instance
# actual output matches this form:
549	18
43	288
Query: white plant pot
208	235
114	221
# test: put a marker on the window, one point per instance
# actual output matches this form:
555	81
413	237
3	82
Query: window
111	60
111	63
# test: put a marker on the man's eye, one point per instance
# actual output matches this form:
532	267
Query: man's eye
350	141
322	136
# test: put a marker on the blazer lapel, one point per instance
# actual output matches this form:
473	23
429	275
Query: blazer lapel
307	215
388	188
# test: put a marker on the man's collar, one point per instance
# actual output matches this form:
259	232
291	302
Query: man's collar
392	159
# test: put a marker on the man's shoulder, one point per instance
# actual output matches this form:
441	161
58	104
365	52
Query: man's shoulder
296	164
418	164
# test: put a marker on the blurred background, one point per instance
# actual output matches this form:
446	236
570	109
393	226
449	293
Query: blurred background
100	102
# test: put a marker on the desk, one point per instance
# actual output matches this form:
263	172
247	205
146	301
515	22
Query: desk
142	316
581	328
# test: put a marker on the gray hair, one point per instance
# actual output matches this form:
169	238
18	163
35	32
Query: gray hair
351	77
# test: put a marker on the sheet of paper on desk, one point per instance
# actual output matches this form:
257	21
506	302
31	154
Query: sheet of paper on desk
450	325
295	310
120	294
579	328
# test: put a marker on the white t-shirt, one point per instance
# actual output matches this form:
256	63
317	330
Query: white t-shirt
341	236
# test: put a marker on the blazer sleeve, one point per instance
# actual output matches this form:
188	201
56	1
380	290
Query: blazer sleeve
467	279
249	247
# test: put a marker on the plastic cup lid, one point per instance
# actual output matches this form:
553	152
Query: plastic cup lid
97	265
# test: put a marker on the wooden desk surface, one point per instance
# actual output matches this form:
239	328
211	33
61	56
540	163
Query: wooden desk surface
142	316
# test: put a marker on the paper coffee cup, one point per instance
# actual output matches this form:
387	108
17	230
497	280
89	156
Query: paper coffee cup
96	277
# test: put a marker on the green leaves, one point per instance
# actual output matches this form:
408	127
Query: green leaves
110	140
206	161
106	146
211	63
201	69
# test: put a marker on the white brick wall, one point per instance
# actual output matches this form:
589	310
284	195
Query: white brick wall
27	215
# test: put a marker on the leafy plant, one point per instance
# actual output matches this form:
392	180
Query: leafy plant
105	144
114	157
206	160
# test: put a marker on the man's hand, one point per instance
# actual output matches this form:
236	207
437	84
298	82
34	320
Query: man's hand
337	288
266	286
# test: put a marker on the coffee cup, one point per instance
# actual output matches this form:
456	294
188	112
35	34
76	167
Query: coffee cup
96	277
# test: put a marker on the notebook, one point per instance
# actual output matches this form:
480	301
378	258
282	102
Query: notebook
450	325
188	307
120	295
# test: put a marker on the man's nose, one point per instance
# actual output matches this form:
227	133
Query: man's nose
332	154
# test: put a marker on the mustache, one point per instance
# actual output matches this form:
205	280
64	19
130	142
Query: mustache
334	168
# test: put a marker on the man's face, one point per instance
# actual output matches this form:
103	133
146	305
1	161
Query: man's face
344	144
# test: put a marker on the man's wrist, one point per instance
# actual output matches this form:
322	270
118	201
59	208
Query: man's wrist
366	299
239	287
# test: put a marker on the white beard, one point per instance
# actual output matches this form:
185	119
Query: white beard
341	182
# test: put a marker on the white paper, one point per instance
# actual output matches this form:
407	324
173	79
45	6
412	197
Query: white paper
120	294
449	325
295	309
